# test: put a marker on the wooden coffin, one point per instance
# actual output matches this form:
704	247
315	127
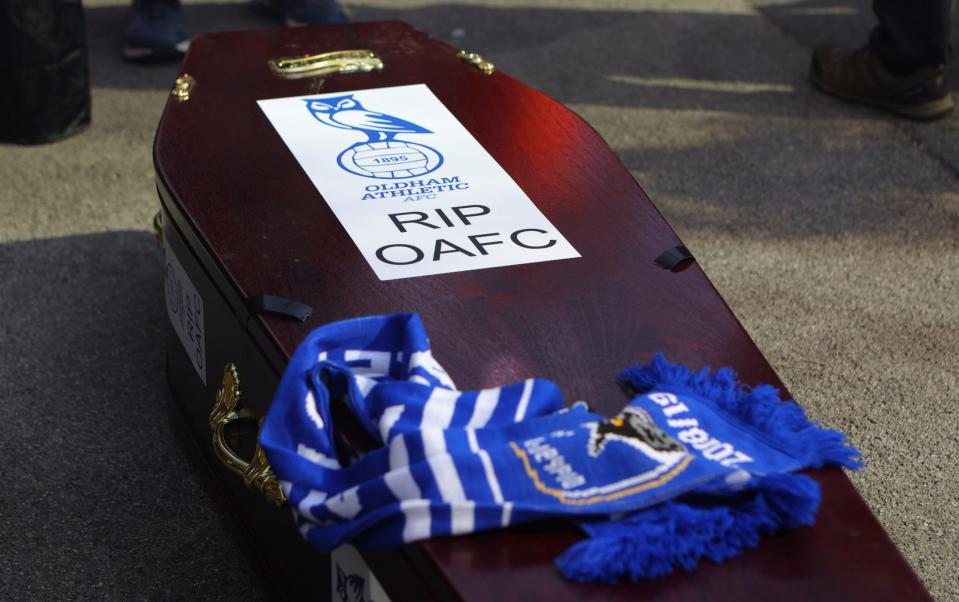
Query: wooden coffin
241	219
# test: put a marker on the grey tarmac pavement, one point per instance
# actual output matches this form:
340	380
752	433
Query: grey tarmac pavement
831	230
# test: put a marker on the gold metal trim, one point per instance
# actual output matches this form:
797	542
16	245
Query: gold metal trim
340	61
158	229
484	66
182	87
256	473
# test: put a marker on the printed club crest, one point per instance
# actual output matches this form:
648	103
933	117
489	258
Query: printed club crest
381	155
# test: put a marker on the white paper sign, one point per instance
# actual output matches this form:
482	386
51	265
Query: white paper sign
184	306
416	192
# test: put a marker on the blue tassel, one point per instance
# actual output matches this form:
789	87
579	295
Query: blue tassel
655	541
651	543
759	407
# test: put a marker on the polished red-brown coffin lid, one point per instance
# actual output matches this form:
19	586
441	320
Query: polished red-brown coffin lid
578	322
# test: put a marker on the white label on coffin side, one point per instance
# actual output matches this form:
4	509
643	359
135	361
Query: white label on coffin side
351	578
184	306
415	191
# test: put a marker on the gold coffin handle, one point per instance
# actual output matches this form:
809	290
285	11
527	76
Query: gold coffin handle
256	473
339	61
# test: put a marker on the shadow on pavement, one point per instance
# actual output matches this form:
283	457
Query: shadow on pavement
721	95
100	498
621	58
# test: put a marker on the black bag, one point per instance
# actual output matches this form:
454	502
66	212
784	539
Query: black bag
43	70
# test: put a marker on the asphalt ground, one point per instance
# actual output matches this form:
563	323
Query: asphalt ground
832	231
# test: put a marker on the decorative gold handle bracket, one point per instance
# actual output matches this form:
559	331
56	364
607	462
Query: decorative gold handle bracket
182	87
256	473
484	66
340	61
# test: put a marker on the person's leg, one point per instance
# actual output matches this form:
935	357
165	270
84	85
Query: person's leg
911	34
295	13
901	68
155	32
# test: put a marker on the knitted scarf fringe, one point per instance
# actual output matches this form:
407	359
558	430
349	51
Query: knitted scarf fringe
783	423
652	543
655	541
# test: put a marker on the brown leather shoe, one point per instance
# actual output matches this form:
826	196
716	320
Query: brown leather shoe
859	76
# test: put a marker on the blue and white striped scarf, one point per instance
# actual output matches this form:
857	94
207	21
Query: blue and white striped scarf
696	465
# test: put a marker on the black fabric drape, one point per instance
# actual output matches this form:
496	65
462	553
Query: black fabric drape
43	70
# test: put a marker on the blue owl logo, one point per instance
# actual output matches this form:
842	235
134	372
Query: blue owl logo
350	588
381	155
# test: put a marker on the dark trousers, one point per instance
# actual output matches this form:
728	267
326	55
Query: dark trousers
912	33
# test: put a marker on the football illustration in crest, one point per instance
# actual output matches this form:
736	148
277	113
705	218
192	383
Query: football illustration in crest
381	155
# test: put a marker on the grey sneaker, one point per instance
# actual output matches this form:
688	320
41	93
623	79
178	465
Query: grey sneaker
155	33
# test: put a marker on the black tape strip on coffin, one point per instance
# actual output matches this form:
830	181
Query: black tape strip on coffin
278	306
671	258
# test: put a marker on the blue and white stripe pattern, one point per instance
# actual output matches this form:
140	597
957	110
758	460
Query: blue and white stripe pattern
455	462
431	477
